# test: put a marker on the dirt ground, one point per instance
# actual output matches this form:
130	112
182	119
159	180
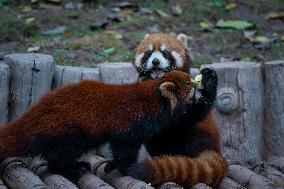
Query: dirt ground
90	32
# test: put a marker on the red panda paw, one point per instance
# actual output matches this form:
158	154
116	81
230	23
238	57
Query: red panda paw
209	79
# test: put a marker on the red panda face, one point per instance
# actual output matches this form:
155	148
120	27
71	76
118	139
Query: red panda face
158	54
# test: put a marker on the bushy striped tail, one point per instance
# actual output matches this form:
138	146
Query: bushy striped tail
209	168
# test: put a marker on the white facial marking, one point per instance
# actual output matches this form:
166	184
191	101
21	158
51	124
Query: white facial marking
138	60
157	54
178	58
151	47
163	47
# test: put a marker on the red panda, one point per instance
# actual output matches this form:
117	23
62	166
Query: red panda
76	118
188	151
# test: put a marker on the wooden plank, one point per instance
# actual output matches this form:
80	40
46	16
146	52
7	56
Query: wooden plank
90	181
68	74
16	175
228	183
118	73
4	88
240	109
250	179
30	78
114	178
274	108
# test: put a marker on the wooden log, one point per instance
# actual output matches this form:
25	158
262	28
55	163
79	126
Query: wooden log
170	185
90	181
250	179
54	181
274	108
68	74
114	178
16	175
118	73
277	162
2	185
4	88
268	171
228	183
31	77
201	186
239	107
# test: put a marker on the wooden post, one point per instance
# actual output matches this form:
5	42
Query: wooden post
69	74
118	73
31	77
4	92
274	108
239	107
16	175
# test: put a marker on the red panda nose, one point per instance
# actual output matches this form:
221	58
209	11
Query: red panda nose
156	62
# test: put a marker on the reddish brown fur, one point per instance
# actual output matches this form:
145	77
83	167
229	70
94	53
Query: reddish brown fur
172	45
92	107
184	170
209	168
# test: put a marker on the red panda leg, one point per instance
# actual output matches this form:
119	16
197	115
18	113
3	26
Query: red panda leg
124	155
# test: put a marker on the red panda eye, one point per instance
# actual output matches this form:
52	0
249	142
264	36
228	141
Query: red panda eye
166	53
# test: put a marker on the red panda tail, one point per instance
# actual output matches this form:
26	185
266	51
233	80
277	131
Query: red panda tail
12	143
209	168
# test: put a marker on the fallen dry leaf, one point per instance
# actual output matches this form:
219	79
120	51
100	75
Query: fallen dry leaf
274	15
33	49
30	20
230	6
162	13
234	24
26	9
114	34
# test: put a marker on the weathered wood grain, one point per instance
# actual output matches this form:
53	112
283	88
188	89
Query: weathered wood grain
68	74
90	181
16	175
54	181
230	184
4	92
201	186
114	178
118	73
268	171
170	185
240	109
2	185
30	78
250	179
274	108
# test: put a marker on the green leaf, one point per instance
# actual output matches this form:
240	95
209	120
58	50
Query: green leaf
109	51
234	24
230	6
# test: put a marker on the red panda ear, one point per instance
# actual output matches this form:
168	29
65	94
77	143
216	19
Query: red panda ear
167	90
146	35
183	39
